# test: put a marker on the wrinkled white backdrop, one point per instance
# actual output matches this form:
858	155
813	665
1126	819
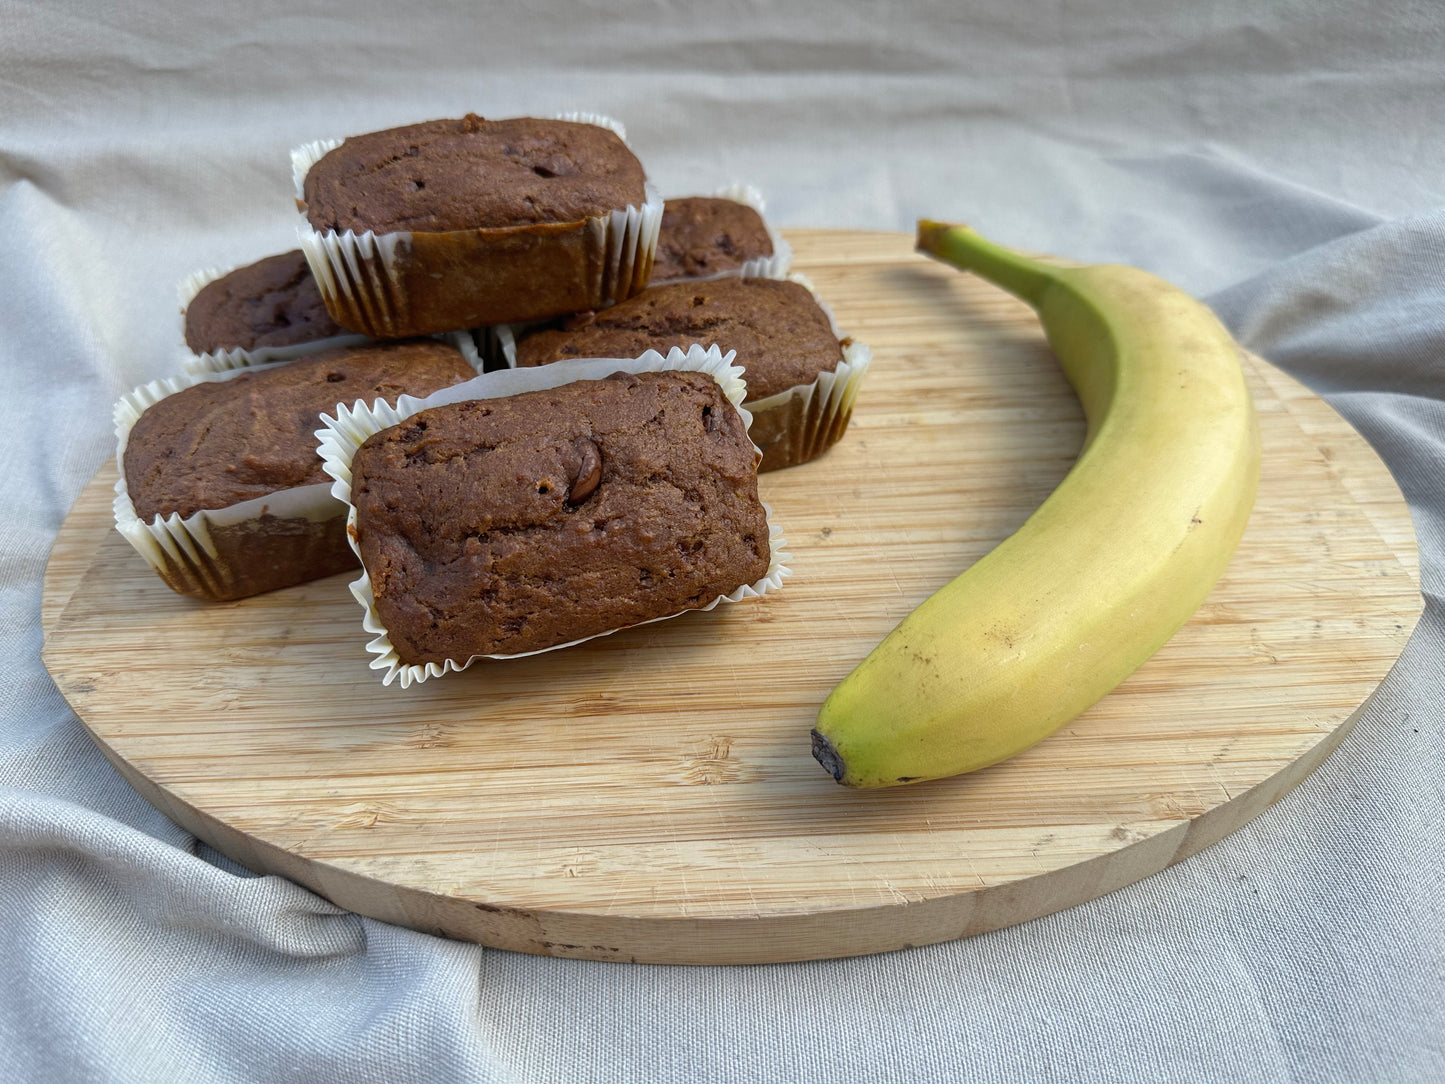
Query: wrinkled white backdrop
1283	159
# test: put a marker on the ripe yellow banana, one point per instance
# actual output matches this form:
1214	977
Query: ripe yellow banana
1106	570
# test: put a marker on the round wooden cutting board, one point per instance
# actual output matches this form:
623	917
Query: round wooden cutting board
651	795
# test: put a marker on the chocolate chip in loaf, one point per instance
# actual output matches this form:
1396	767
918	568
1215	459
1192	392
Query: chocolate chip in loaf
589	471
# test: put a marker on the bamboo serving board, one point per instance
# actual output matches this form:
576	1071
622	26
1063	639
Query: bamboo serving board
650	795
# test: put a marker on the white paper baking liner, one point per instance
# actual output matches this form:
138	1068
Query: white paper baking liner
181	550
813	417
599	119
807	419
346	432
824	408
218	361
360	266
502	344
365	270
775	266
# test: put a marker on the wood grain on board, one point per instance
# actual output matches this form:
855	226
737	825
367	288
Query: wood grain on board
651	795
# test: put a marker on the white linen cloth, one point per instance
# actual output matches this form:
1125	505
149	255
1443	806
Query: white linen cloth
1282	159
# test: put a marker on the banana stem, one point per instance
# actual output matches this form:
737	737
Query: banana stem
960	246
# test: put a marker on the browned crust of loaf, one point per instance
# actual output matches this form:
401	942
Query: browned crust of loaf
472	173
273	302
706	235
485	532
221	442
781	335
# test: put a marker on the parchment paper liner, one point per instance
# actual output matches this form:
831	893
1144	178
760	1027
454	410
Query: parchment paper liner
243	549
218	361
415	283
346	432
775	266
790	427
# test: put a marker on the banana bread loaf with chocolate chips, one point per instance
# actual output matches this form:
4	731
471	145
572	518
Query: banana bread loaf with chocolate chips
270	304
509	525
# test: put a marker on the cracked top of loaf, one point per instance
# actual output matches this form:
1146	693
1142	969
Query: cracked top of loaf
472	173
502	526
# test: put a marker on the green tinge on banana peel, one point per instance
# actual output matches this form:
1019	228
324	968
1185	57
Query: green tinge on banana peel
1104	572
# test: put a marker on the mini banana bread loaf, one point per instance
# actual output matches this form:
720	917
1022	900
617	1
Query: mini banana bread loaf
222	441
510	525
271	305
453	224
784	340
782	336
703	237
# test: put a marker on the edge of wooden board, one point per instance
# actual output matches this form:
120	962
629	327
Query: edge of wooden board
782	938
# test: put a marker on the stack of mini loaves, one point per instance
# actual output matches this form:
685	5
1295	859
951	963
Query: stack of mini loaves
437	331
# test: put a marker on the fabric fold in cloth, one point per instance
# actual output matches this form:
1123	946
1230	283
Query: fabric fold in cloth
1361	321
245	977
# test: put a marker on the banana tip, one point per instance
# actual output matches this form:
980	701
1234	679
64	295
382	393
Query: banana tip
826	755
